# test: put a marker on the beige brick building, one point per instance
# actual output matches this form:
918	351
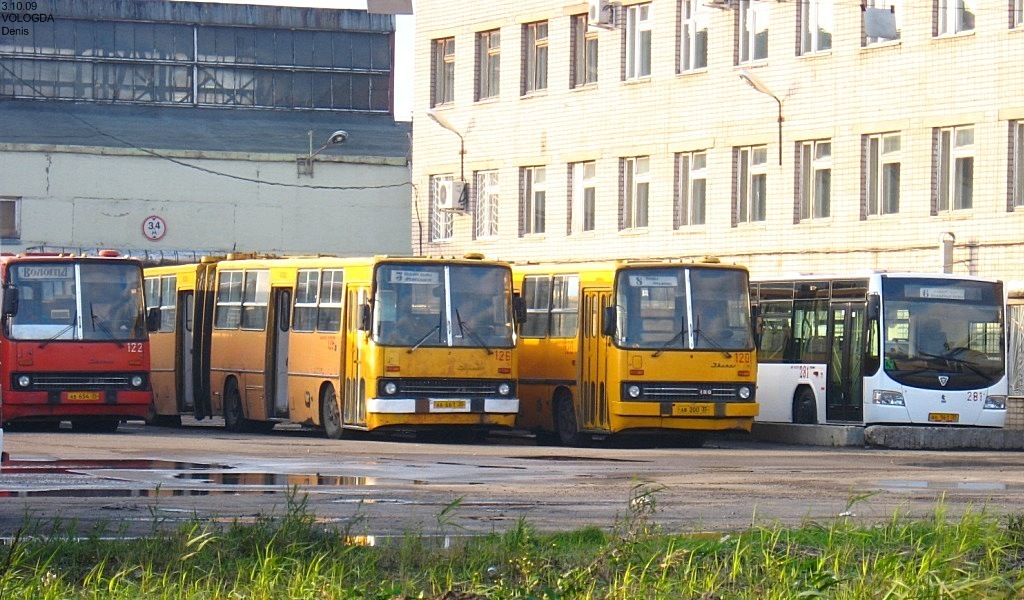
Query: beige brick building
657	133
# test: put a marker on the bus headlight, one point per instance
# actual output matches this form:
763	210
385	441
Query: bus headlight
390	388
887	398
995	403
504	389
744	392
633	391
137	381
24	381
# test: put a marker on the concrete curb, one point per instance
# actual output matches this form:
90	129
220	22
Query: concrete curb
891	436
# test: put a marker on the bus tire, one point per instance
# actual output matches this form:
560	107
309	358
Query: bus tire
565	423
330	414
234	418
805	410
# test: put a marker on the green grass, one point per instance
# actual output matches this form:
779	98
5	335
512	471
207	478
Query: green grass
977	555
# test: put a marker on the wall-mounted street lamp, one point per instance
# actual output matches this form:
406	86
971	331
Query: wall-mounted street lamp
305	163
444	122
753	81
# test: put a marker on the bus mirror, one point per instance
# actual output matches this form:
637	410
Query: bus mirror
608	319
10	307
518	309
365	317
153	319
873	307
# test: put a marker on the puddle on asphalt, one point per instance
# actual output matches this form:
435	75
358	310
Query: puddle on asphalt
125	493
277	479
71	466
966	486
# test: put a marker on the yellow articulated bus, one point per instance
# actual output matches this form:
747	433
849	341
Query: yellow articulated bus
347	343
653	348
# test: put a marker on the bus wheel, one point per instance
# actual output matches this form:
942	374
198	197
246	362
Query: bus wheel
330	415
234	419
565	423
805	411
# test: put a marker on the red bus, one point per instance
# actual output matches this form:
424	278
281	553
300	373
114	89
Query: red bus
74	341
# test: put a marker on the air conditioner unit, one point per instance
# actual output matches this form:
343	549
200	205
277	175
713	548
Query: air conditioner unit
451	195
600	13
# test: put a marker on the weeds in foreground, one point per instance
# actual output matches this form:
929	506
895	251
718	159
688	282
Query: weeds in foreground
291	555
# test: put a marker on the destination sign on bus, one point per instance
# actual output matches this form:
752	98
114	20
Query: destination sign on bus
414	277
44	272
942	293
653	281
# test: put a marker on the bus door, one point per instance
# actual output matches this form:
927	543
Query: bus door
277	352
186	351
353	409
844	399
593	360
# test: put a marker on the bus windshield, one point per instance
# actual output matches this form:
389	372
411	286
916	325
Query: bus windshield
417	305
666	308
77	301
942	334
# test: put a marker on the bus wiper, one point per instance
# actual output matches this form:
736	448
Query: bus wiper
424	338
464	329
956	361
674	339
69	327
101	322
714	343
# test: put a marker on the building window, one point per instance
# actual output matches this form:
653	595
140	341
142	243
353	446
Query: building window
441	221
635	191
486	214
583	198
443	83
535	76
584	52
816	26
954	168
955	16
815	192
752	37
693	35
1018	13
532	213
691	183
882	173
488	63
638	41
751	184
883	20
1017	130
10	218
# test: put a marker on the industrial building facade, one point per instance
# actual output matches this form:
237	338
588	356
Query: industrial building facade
816	136
160	126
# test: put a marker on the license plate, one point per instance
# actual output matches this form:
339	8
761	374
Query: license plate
693	410
83	396
943	417
448	405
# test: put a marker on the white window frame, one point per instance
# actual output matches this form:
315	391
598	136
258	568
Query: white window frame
584	52
882	152
691	188
442	222
954	152
583	198
951	16
1018	163
1018	13
815	191
486	209
535	65
444	71
752	18
693	35
639	31
12	207
896	7
817	25
751	179
534	201
636	192
488	62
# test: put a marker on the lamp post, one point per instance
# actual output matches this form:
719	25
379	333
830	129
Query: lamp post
305	163
445	123
753	81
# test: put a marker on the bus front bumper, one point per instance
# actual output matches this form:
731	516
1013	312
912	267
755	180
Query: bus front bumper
411	406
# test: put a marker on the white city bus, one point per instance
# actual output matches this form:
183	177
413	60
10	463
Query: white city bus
898	348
